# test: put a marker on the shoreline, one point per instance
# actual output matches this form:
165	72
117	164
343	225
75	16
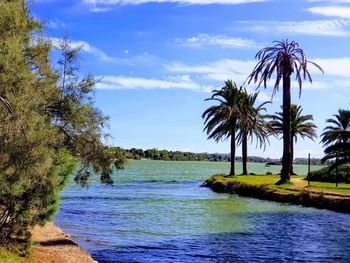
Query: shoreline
321	200
52	245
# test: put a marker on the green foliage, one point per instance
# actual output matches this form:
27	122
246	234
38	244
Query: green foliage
251	124
10	257
235	117
324	175
336	139
301	125
221	121
282	60
47	123
165	155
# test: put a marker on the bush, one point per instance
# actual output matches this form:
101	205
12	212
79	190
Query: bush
46	124
323	175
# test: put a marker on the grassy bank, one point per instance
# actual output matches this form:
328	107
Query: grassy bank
9	257
297	191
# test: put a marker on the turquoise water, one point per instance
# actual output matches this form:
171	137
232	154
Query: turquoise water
156	211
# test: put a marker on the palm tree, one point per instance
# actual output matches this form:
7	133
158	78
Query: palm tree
336	138
221	120
251	124
284	58
301	125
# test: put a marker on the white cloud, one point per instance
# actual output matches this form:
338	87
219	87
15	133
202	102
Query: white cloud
141	59
104	5
238	71
99	9
331	1
55	24
86	47
220	70
192	2
313	27
177	82
203	40
334	11
339	67
313	85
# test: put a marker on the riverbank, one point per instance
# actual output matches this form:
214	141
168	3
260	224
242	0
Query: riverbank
52	245
295	192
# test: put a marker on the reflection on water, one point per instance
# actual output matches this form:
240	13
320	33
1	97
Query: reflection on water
156	211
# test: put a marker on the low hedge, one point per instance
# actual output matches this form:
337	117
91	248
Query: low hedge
323	175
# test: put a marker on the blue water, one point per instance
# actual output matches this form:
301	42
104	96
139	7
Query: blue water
156	212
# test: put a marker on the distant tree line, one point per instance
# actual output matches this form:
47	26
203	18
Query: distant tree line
165	155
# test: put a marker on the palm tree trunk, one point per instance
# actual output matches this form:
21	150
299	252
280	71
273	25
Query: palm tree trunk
291	155
285	173
233	149
244	153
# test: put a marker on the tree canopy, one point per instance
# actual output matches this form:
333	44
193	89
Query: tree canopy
283	59
336	139
48	122
301	125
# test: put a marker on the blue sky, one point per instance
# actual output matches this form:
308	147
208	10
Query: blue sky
159	59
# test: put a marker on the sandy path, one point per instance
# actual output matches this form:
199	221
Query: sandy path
301	184
54	246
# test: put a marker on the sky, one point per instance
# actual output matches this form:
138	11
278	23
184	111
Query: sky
158	60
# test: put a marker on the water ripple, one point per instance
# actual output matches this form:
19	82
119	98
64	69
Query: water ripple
156	211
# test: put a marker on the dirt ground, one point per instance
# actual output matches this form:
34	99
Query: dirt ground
54	246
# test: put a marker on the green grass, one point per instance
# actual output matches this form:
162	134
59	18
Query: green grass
9	257
266	180
342	187
270	180
256	179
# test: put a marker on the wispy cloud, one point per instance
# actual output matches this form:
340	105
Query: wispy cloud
55	24
143	58
335	28
105	5
238	70
339	67
192	2
220	70
85	47
333	11
176	82
308	85
330	1
203	40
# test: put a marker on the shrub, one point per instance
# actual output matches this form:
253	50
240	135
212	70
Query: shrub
323	175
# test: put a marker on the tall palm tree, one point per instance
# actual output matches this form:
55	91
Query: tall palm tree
251	124
336	138
284	58
221	120
301	125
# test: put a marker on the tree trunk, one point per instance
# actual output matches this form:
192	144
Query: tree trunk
286	159
244	153
233	149
291	155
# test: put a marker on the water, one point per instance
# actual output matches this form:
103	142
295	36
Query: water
156	212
